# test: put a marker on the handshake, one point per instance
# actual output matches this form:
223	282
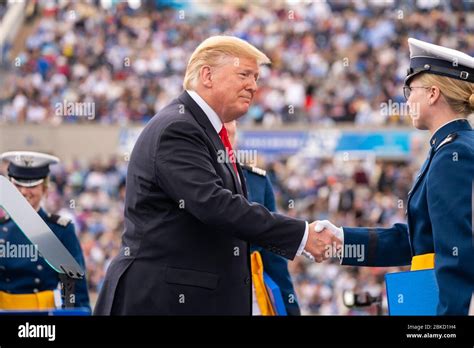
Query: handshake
324	241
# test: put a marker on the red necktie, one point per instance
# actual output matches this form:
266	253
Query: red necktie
228	147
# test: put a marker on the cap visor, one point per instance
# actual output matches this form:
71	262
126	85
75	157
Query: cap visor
27	183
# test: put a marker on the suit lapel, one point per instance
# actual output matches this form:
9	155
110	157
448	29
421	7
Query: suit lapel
420	175
203	120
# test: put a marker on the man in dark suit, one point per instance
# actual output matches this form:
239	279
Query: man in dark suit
187	220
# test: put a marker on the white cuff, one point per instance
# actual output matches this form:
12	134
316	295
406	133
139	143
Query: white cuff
303	241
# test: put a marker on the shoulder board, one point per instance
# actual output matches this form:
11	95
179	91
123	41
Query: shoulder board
60	220
255	170
449	139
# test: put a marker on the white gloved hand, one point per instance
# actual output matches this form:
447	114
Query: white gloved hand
336	231
308	255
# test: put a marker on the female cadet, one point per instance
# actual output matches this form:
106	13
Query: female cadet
438	234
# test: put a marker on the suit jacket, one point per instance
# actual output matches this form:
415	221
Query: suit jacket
187	224
439	221
259	190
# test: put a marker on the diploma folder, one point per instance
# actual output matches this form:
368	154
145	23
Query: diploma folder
412	293
275	295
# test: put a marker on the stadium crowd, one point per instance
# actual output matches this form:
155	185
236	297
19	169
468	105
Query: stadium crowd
333	61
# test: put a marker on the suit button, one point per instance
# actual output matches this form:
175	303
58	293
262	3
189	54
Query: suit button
40	267
247	281
37	281
5	229
35	290
7	280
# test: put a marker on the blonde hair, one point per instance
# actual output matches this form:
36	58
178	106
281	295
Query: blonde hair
46	183
214	50
458	94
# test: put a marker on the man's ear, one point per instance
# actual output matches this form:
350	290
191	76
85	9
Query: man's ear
433	95
205	75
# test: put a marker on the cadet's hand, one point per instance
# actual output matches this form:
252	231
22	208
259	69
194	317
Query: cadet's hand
326	224
322	242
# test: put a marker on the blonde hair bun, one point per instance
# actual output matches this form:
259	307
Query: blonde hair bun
471	101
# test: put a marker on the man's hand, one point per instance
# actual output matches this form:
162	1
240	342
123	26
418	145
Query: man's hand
323	241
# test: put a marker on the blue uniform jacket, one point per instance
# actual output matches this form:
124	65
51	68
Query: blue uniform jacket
260	191
32	274
439	217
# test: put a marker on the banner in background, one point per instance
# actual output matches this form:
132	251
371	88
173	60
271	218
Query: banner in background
313	143
328	142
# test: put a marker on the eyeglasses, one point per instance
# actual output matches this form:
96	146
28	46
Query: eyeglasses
407	90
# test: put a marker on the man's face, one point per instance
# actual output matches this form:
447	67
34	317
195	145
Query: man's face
32	194
233	87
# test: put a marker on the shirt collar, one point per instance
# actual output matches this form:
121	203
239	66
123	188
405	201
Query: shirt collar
449	127
210	113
